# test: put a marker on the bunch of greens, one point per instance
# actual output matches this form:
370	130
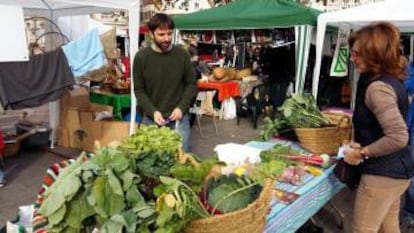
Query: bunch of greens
155	149
101	191
279	152
228	193
301	111
275	126
177	205
193	176
297	111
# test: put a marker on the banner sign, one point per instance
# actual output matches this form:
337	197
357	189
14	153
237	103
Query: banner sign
339	66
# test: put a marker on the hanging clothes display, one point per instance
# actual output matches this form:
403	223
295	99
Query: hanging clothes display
40	80
85	54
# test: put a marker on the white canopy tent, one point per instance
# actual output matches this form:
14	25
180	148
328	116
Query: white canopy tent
398	12
53	9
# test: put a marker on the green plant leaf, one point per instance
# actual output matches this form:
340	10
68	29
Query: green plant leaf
107	202
78	210
57	217
114	182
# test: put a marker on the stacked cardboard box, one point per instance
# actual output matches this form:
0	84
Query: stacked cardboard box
78	127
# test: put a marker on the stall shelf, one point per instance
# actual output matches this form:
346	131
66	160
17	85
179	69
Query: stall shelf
118	102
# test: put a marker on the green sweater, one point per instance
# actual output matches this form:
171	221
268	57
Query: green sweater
164	81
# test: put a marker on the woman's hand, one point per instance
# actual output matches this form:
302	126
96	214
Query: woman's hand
353	154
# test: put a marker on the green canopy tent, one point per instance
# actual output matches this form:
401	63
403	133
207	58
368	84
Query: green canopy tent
256	14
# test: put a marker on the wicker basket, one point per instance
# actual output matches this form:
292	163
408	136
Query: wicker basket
251	219
326	139
11	148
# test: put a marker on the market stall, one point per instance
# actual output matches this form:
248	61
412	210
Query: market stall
286	214
246	14
397	12
53	9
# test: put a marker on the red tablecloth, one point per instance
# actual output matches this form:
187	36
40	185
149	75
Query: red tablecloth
225	89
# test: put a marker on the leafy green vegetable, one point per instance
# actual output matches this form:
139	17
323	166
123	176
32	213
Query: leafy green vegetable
154	148
78	210
177	206
231	193
271	169
104	199
193	175
301	111
274	127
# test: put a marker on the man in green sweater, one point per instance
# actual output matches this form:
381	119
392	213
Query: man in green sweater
164	80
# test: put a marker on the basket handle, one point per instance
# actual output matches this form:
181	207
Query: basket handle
344	119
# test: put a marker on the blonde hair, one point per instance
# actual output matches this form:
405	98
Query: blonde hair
380	49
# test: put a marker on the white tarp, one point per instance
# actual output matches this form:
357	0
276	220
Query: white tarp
13	44
398	12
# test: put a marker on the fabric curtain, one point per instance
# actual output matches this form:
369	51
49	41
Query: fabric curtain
302	46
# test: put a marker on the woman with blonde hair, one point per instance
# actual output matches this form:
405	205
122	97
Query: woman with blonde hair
380	146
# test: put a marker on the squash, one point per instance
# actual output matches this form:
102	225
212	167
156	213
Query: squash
219	73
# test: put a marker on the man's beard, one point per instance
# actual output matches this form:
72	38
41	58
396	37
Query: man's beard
163	46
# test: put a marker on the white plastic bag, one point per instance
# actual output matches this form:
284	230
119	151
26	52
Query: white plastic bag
229	109
23	222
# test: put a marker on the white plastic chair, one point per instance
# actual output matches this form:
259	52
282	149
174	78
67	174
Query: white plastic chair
203	105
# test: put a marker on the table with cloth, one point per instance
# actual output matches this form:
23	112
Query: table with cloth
246	87
225	92
118	102
314	193
224	89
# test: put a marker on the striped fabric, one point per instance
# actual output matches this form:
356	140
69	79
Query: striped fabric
302	46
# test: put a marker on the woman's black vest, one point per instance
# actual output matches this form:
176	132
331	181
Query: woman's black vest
367	130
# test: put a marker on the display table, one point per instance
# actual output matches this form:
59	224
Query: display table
314	193
118	102
225	89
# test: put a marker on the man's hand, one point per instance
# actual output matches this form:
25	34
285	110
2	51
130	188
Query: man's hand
158	118
176	115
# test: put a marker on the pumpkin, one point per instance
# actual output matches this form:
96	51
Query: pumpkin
219	73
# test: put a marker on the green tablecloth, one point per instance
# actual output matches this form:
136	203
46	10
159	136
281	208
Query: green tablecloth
118	102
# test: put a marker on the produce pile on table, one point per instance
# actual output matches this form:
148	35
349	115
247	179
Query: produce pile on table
147	184
297	111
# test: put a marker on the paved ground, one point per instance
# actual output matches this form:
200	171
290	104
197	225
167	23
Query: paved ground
25	171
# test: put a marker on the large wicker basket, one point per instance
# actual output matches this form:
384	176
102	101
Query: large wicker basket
251	219
326	139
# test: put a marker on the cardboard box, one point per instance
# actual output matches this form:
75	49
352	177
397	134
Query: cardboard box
78	127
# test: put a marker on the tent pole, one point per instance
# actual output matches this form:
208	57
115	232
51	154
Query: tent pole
133	32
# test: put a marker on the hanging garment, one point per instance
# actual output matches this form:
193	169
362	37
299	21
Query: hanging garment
108	40
85	54
40	80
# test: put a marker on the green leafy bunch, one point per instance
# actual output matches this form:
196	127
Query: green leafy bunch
301	111
177	205
297	111
101	191
154	148
228	193
194	176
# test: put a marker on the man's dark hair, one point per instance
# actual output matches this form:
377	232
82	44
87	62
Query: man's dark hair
160	20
